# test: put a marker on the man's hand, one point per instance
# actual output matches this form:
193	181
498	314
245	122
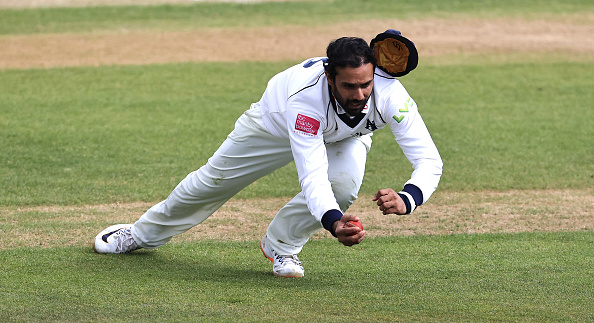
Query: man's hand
346	234
389	201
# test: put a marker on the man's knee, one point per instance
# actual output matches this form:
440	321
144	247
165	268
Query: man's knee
345	188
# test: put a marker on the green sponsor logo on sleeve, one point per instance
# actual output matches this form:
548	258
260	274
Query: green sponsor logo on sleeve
398	119
409	103
406	105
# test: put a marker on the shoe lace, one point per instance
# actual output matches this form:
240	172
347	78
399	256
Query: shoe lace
287	259
125	242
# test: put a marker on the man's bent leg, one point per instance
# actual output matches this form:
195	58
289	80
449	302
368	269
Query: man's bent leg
294	224
246	155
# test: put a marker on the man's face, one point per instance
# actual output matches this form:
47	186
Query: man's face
352	87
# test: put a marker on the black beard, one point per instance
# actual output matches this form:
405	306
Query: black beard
352	112
345	105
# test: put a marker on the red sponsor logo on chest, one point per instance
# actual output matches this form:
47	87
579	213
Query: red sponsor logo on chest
307	124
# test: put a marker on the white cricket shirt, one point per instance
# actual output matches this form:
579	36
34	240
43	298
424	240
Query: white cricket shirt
296	105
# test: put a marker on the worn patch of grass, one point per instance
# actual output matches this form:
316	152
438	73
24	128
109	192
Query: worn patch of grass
242	220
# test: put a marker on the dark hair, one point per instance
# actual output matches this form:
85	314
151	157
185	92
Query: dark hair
348	51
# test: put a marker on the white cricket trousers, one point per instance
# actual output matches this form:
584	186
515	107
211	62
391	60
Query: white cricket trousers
248	153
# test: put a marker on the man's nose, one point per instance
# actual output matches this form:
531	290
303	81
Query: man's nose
359	95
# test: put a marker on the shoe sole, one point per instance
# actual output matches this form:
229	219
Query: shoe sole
264	253
277	275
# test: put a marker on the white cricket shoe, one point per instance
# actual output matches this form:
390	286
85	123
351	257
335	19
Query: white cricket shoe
284	266
115	239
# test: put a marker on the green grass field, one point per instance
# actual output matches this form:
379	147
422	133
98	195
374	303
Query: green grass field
63	141
78	136
536	277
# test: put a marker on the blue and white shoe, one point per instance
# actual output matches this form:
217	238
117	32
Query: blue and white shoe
284	265
115	239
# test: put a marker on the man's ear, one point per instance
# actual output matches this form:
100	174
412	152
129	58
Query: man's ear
329	79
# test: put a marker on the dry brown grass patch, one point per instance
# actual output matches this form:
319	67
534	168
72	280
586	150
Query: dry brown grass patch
446	213
87	3
433	37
